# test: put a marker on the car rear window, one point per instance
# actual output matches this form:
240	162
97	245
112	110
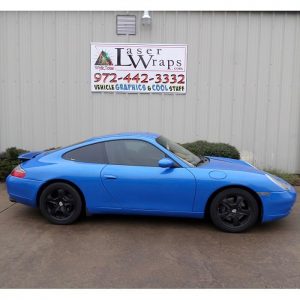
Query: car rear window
94	153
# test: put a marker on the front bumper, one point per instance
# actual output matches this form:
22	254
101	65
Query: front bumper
277	205
23	190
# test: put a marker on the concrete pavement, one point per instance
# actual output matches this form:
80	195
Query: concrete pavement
144	252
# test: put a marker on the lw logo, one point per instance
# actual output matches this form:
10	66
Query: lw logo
103	59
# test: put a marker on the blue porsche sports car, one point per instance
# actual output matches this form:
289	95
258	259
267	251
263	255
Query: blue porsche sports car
146	173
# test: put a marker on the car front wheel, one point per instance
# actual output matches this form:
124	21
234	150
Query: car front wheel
234	210
60	203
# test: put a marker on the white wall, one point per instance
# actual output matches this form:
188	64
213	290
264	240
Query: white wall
242	82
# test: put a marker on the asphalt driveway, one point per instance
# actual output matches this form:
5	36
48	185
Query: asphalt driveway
144	252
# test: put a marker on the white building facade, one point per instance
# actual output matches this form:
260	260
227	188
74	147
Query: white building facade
242	81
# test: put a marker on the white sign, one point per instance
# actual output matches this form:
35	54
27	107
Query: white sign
138	68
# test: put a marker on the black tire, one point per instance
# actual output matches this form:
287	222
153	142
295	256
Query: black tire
60	203
234	210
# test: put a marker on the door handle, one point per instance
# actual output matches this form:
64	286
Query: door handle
108	176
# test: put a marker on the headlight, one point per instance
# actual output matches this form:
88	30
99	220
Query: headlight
281	184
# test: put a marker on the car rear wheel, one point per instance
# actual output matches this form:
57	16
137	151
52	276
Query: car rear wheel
60	203
234	210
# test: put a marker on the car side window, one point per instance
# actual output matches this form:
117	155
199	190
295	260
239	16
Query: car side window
94	153
133	153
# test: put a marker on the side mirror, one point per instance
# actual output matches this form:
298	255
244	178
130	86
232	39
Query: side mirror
166	163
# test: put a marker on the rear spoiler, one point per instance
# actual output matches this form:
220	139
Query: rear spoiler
29	155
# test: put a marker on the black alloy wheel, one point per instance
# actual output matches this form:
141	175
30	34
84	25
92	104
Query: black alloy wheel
234	210
60	203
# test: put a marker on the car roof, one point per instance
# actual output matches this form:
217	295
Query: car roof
128	135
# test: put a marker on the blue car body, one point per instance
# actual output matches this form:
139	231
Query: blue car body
183	191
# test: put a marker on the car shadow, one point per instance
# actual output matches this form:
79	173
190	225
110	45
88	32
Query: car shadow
152	221
143	220
271	227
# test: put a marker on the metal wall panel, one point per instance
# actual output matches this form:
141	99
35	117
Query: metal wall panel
242	82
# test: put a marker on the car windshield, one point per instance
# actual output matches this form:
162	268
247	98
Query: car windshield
184	154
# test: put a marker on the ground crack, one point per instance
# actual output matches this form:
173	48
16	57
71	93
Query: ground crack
3	210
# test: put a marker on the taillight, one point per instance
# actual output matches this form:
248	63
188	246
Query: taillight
18	172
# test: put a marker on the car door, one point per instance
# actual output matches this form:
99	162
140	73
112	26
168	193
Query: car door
134	179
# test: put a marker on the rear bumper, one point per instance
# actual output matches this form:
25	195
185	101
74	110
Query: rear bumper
277	205
23	190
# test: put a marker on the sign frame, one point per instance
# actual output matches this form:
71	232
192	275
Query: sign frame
163	68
